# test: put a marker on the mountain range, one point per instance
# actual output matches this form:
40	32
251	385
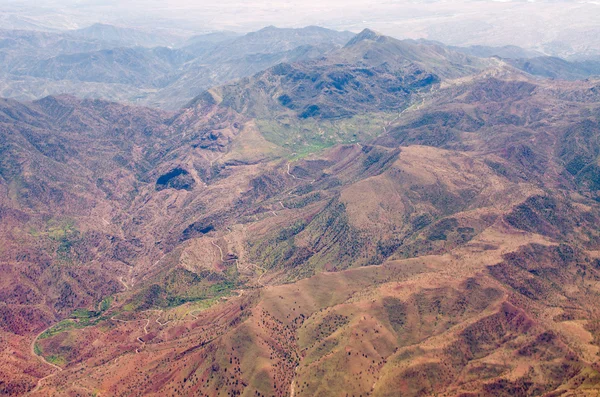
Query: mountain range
358	215
122	64
160	70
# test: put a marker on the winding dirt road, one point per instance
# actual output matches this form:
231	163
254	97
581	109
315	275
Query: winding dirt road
220	250
43	360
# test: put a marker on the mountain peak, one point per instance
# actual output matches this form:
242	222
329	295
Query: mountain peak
366	34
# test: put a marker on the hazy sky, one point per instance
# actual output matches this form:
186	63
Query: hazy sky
532	23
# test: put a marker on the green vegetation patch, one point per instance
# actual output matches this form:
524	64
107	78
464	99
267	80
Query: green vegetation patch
305	136
105	304
80	318
63	236
56	360
60	229
83	314
56	329
181	285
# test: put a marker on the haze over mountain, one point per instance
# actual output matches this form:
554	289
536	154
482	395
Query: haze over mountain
354	215
99	62
128	65
557	28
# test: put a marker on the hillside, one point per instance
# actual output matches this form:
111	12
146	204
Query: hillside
393	217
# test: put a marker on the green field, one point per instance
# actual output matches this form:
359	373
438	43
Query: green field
305	136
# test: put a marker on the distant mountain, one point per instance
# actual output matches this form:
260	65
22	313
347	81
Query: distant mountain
245	56
273	40
201	44
536	63
123	37
108	62
37	64
509	51
375	48
557	68
139	67
22	45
